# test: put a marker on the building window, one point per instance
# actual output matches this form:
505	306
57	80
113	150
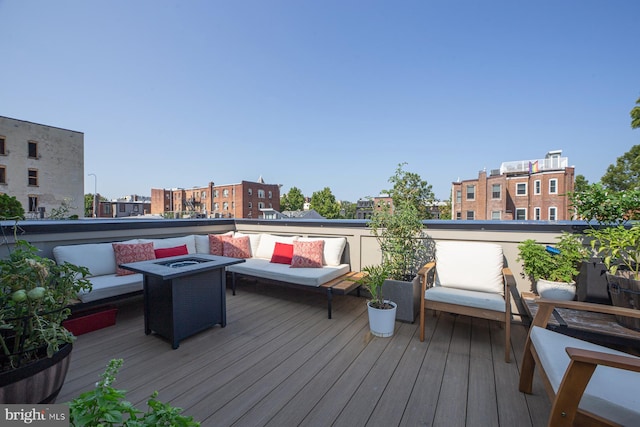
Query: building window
536	214
225	206
33	177
261	194
107	209
270	194
250	191
260	205
33	203
471	192
521	189
233	205
521	214
458	196
122	207
203	195
537	187
33	150
225	192
250	205
495	215
495	191
3	148
135	208
215	193
553	186
471	215
216	206
3	175
553	214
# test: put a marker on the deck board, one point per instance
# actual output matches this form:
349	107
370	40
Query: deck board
280	361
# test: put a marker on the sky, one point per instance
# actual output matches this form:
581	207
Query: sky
322	93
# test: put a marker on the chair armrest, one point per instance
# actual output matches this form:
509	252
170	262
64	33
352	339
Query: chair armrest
545	308
425	268
606	359
424	273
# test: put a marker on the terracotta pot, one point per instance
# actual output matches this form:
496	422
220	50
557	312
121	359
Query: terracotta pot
37	382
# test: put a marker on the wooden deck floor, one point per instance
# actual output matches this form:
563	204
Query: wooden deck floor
281	362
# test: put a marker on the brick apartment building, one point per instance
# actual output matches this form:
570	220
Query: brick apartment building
243	200
520	190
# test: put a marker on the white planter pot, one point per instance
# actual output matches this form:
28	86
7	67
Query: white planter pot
556	290
382	322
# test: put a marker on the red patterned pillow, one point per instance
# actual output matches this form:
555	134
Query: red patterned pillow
131	252
167	252
215	243
307	254
282	253
236	247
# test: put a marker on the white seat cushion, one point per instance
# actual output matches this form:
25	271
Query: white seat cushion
474	266
110	285
484	300
315	277
611	393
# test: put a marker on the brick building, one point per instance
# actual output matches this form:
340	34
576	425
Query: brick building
243	200
520	190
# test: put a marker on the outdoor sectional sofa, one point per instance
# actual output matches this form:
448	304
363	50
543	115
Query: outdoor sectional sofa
110	282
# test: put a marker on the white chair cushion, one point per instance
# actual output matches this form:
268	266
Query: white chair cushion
268	243
611	393
333	248
475	266
172	242
484	300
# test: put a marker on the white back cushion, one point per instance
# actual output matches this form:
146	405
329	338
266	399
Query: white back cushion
475	266
172	242
268	243
333	248
99	258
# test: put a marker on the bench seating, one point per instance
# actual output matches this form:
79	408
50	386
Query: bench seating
588	384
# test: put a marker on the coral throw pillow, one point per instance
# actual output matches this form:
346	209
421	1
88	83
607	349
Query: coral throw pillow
132	252
215	243
282	253
307	254
167	252
236	247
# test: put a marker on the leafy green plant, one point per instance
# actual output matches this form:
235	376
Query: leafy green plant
106	406
559	264
606	206
10	208
34	301
619	247
372	281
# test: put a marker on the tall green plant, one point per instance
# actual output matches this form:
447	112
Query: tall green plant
399	233
618	246
559	264
373	280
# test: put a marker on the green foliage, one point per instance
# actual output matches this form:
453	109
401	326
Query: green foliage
347	210
88	205
635	115
625	173
292	201
580	183
105	406
618	246
10	208
445	210
399	234
409	188
373	281
538	263
63	211
606	206
324	202
34	300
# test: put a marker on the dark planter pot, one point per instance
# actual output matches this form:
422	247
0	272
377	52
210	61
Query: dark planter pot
37	382
406	295
625	292
591	283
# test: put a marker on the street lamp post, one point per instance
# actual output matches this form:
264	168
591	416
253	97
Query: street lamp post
95	194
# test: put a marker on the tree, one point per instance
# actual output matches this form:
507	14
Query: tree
408	187
625	173
347	210
580	183
292	201
445	210
10	207
324	202
635	115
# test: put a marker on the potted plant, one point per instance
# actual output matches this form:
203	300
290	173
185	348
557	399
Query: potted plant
400	234
382	312
619	248
34	346
553	269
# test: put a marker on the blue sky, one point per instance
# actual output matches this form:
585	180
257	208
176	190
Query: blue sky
327	93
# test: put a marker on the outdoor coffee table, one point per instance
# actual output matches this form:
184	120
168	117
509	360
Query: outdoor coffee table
183	295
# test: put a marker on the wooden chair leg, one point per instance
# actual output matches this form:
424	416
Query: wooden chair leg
526	370
422	319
